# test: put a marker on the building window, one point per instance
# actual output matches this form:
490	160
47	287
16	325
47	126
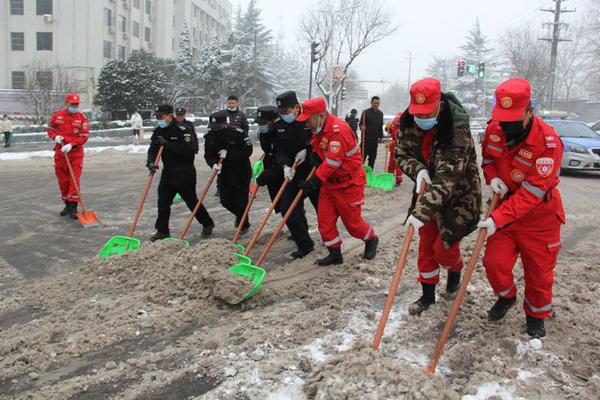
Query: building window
121	53
149	7
18	79
44	7
107	51
16	7
108	17
44	40
44	79
135	28
17	41
122	24
136	4
147	34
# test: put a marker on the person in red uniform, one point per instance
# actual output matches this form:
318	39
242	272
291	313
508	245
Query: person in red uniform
521	162
69	129
342	180
393	128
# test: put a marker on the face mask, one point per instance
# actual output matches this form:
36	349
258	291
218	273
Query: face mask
263	129
288	118
162	123
73	110
232	109
512	130
319	128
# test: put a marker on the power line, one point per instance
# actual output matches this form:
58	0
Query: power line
557	26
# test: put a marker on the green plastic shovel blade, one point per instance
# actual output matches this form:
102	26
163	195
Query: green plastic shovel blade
119	245
185	242
369	174
257	169
384	181
252	273
177	197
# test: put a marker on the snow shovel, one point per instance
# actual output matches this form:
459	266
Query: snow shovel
287	215
177	198
257	169
125	244
462	290
384	180
86	217
369	175
396	280
268	214
200	200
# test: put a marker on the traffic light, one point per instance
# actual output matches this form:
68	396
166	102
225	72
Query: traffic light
344	92
471	70
314	52
461	68
481	70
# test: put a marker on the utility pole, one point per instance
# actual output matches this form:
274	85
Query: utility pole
410	59
556	28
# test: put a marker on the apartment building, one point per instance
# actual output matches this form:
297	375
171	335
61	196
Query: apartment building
83	35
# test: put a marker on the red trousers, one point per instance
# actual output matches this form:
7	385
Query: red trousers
345	203
433	254
538	250
65	183
392	166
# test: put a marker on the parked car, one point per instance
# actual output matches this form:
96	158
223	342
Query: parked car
595	126
582	145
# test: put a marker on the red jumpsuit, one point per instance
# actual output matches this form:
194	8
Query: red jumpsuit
343	183
393	128
75	129
432	251
529	217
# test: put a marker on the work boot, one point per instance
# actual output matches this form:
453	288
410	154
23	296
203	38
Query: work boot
245	227
426	300
334	258
65	211
159	236
207	230
501	307
452	285
300	253
73	210
535	327
371	248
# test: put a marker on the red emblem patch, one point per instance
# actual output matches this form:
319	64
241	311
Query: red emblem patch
334	147
495	138
525	154
420	98
517	175
506	102
544	166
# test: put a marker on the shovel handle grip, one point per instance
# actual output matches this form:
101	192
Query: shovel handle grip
145	194
439	348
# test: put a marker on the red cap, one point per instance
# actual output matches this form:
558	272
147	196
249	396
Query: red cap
424	96
72	98
512	98
311	107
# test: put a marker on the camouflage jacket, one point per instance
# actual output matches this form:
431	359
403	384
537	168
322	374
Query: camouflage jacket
454	197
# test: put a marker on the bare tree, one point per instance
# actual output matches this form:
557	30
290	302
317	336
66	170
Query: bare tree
592	46
527	58
572	60
46	85
344	29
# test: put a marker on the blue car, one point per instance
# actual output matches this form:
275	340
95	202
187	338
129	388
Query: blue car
582	145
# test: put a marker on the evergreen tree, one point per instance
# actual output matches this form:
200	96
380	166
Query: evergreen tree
183	80
211	69
475	49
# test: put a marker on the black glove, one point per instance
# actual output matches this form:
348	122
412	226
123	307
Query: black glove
161	140
150	165
310	185
262	179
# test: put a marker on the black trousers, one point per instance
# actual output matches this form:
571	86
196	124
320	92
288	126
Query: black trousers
233	193
370	153
183	181
6	139
297	223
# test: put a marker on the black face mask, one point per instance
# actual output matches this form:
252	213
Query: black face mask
513	130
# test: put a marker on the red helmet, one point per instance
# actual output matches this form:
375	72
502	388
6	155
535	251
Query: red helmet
72	98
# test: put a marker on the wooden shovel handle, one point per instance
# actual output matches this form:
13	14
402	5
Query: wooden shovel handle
439	348
136	217
75	183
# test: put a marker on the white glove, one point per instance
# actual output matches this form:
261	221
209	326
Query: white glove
415	222
223	154
58	139
499	187
288	173
422	176
217	167
488	224
66	148
301	156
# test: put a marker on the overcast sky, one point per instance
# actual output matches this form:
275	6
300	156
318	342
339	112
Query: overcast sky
427	27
